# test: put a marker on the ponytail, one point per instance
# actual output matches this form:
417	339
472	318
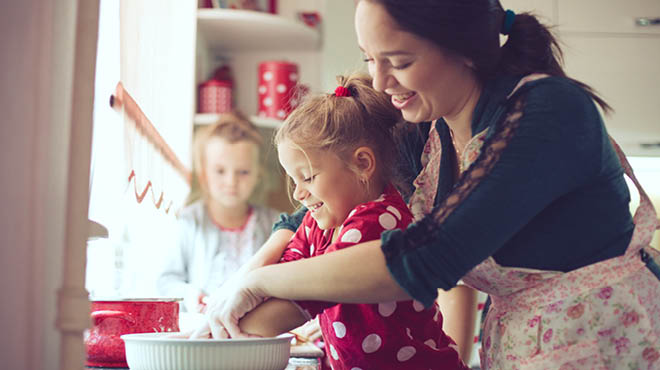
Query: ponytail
532	48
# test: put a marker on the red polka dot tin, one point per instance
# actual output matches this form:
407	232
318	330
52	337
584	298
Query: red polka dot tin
215	96
277	89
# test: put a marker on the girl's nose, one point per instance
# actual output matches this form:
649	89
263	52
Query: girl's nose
299	193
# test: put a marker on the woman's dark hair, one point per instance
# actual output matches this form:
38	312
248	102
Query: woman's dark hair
471	28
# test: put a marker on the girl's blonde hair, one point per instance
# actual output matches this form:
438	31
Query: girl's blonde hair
233	127
341	124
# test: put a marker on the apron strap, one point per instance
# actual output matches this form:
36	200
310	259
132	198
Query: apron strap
644	200
526	79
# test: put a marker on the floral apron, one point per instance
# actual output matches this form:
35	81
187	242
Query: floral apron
602	316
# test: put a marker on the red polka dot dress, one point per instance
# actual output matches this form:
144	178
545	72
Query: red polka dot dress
389	335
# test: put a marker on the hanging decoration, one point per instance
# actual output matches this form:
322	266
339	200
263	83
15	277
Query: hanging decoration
153	165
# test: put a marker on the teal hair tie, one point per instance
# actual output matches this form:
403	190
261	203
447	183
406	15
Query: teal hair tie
509	17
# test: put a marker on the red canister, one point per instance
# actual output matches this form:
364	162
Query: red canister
277	87
215	96
113	318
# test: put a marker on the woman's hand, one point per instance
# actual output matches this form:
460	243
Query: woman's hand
270	253
235	300
223	321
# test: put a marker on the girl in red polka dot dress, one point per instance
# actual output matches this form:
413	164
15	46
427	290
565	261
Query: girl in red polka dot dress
337	151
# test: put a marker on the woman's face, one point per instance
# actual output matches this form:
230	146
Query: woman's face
232	171
424	81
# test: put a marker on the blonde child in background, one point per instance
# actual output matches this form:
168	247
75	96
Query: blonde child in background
220	231
337	150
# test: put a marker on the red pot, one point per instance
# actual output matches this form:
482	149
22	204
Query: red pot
113	318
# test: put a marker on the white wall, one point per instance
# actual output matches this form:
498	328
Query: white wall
647	171
341	54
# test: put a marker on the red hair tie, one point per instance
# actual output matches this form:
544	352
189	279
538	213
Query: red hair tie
342	91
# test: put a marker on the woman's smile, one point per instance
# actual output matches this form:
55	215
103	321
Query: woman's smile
400	101
425	82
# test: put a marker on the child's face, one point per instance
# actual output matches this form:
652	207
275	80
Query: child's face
232	171
324	184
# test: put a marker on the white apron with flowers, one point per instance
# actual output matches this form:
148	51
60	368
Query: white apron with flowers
602	316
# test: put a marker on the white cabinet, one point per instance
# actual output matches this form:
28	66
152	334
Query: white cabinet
243	39
243	30
626	72
605	47
607	16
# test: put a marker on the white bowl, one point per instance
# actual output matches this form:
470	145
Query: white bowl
155	351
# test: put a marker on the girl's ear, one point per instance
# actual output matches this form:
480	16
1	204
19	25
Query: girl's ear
364	161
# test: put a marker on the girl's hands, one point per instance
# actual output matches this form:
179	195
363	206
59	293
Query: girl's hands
309	331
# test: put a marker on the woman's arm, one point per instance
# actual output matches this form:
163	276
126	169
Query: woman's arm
352	275
459	312
272	318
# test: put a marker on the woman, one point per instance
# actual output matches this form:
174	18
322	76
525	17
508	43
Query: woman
518	192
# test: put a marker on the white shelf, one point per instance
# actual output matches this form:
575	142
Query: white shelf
231	30
211	118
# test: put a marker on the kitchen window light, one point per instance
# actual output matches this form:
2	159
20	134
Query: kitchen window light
135	37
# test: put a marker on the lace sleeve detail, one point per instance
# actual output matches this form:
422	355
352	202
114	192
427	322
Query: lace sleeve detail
468	181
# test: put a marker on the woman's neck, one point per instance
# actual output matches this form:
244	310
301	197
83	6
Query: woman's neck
460	122
228	217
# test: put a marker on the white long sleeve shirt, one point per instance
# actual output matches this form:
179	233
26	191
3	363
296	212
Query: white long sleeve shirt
203	255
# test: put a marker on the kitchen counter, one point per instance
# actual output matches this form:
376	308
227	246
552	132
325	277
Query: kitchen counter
295	363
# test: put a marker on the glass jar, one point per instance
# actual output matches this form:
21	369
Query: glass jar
303	363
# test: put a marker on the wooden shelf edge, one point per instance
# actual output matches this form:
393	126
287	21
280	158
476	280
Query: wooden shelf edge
246	30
